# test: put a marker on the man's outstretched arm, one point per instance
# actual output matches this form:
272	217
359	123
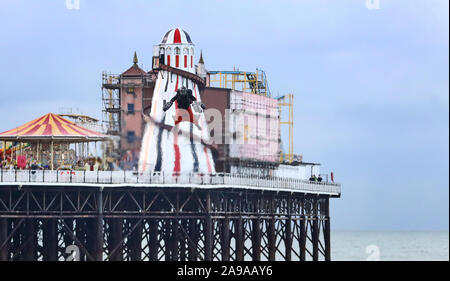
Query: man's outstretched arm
167	105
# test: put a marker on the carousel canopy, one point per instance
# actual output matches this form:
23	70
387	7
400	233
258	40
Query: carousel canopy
51	127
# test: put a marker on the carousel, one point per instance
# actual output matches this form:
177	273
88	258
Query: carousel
50	141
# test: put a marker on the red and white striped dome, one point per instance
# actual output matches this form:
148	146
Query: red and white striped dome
176	36
176	50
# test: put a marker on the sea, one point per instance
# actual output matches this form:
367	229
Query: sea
390	245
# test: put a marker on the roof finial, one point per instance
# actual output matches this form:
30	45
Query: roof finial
135	59
201	58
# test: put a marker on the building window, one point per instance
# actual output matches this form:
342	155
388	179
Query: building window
186	51
131	108
246	133
177	51
131	136
162	52
130	90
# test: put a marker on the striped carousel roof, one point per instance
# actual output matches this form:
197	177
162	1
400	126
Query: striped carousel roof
51	126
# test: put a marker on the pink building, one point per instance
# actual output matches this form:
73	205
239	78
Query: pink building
126	97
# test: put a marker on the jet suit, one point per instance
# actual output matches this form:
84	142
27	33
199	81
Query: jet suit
184	99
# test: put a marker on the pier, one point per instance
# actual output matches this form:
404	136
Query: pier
151	216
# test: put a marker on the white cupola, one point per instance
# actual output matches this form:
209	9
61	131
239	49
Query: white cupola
176	50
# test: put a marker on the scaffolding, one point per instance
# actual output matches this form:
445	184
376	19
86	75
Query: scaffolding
253	82
111	111
111	103
287	101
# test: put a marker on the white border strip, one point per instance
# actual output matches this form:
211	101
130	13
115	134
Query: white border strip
204	186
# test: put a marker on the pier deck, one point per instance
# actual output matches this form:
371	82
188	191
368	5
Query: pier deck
130	178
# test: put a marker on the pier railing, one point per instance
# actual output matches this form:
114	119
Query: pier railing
132	178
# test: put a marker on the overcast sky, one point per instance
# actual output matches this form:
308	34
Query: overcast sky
371	85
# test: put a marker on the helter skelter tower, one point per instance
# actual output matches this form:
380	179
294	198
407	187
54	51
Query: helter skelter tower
163	148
